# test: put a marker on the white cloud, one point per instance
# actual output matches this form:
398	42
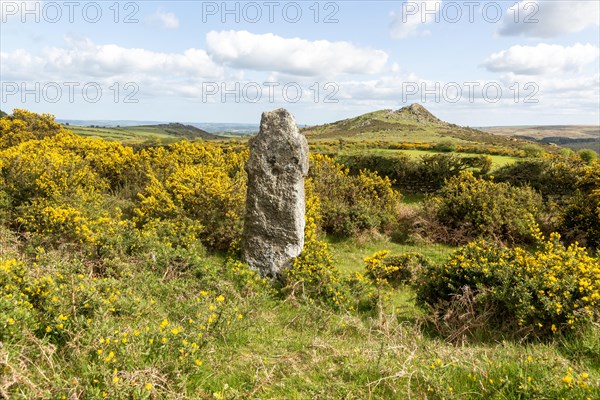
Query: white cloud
542	59
163	19
414	14
84	59
515	92
82	62
543	19
269	52
565	87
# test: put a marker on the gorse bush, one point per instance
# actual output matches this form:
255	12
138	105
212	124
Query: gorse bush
200	194
468	208
44	301
394	270
314	278
48	169
571	185
351	204
24	125
587	155
542	292
55	313
59	188
65	188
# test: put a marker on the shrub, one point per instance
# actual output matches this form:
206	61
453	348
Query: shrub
394	270
45	300
580	217
194	191
60	189
24	125
542	292
46	169
587	155
550	176
445	147
350	204
470	208
533	150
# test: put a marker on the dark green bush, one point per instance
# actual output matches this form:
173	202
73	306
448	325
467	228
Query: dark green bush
468	208
423	175
446	147
587	155
580	217
551	175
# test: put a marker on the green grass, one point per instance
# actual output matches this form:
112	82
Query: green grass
281	348
497	161
412	199
348	254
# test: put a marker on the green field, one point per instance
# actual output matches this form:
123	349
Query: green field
124	135
416	134
136	134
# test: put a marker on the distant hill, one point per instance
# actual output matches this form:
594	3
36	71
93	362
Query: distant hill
178	130
142	133
3	114
575	137
412	123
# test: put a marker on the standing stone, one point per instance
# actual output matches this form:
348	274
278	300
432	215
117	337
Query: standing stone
274	220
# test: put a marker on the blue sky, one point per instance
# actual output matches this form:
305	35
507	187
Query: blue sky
191	61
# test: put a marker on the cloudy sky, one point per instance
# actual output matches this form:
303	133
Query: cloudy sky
475	63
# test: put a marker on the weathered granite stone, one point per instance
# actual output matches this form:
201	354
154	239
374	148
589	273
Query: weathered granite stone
274	220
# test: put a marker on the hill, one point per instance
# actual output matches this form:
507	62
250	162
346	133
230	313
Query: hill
144	132
178	130
412	123
575	137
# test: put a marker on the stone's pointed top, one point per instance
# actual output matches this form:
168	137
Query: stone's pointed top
280	121
279	111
